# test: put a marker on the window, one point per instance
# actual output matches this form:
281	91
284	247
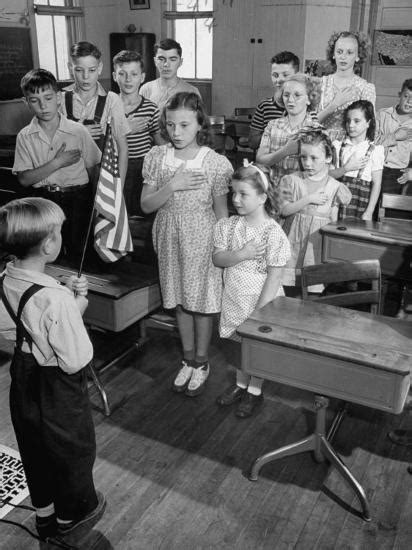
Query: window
59	23
191	24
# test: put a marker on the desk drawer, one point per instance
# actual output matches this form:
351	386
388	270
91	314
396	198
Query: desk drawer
395	260
327	376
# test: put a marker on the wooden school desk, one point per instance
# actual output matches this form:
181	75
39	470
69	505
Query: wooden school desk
122	295
332	352
390	242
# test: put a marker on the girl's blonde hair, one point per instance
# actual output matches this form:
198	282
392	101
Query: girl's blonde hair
258	176
312	86
25	223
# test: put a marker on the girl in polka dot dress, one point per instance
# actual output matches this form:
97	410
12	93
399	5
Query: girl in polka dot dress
253	249
187	184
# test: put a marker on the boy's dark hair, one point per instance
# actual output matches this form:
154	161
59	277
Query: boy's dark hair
191	102
168	44
368	110
25	223
83	49
253	175
128	56
286	58
38	79
407	85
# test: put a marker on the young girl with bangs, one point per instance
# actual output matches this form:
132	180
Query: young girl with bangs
279	147
252	248
308	200
186	182
359	162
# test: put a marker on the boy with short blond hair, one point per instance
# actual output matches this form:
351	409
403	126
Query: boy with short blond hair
50	407
143	118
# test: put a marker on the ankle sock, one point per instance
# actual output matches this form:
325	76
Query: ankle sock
242	379
255	385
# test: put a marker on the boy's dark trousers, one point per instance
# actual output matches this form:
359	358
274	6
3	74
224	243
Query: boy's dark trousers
76	204
52	420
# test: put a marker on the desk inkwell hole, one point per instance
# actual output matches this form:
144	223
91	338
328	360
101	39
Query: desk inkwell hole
341	228
264	328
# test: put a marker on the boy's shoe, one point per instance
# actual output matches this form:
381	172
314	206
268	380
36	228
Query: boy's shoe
249	404
197	381
46	526
90	519
230	395
183	377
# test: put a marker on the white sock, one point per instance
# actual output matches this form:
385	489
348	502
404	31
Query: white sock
46	511
255	385
242	379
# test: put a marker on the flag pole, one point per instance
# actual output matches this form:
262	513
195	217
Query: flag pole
79	272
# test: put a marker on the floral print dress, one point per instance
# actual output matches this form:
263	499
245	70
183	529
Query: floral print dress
183	229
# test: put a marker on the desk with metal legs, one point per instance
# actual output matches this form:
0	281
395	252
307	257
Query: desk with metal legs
332	352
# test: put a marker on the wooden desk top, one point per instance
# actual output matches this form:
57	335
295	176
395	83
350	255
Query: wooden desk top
391	232
379	342
115	282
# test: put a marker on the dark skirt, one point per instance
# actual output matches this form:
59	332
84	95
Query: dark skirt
361	191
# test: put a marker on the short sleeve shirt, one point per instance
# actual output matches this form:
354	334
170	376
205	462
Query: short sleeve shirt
34	149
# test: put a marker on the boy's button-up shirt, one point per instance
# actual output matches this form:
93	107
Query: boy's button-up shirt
51	317
113	110
397	153
34	149
160	94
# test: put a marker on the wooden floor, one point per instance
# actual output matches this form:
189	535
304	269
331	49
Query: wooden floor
172	467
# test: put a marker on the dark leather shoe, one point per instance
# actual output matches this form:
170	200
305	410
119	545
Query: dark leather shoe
249	405
401	437
230	395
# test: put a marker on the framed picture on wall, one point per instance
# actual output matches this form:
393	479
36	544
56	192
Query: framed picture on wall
393	47
139	4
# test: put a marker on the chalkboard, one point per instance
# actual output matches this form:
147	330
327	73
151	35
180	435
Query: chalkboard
15	60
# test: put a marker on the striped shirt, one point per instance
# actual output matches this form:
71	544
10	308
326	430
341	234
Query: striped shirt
141	142
267	110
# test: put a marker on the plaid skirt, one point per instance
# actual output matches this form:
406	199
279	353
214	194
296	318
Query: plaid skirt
361	190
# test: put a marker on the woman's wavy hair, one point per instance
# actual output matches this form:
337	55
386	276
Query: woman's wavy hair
191	102
252	173
368	110
312	85
364	47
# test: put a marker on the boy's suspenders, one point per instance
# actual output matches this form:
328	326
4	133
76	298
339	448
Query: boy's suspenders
98	113
21	332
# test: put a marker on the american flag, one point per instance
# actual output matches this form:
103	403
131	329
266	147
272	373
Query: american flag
112	238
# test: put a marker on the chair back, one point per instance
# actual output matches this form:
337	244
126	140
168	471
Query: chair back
345	272
245	111
217	122
217	129
403	203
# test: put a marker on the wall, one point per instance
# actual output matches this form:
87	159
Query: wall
105	16
390	14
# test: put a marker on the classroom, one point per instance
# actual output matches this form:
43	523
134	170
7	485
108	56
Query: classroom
205	274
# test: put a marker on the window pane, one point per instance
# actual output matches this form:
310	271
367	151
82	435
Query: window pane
44	26
42	2
194	5
62	53
57	2
185	35
204	48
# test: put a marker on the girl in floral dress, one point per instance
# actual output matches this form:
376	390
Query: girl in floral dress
252	248
186	182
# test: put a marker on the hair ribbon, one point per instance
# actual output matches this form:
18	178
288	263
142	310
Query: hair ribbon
263	176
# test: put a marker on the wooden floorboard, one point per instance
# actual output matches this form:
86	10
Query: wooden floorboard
174	469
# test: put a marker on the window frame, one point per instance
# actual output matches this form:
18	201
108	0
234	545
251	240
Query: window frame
171	15
73	11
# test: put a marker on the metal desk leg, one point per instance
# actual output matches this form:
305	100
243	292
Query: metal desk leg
317	442
100	389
